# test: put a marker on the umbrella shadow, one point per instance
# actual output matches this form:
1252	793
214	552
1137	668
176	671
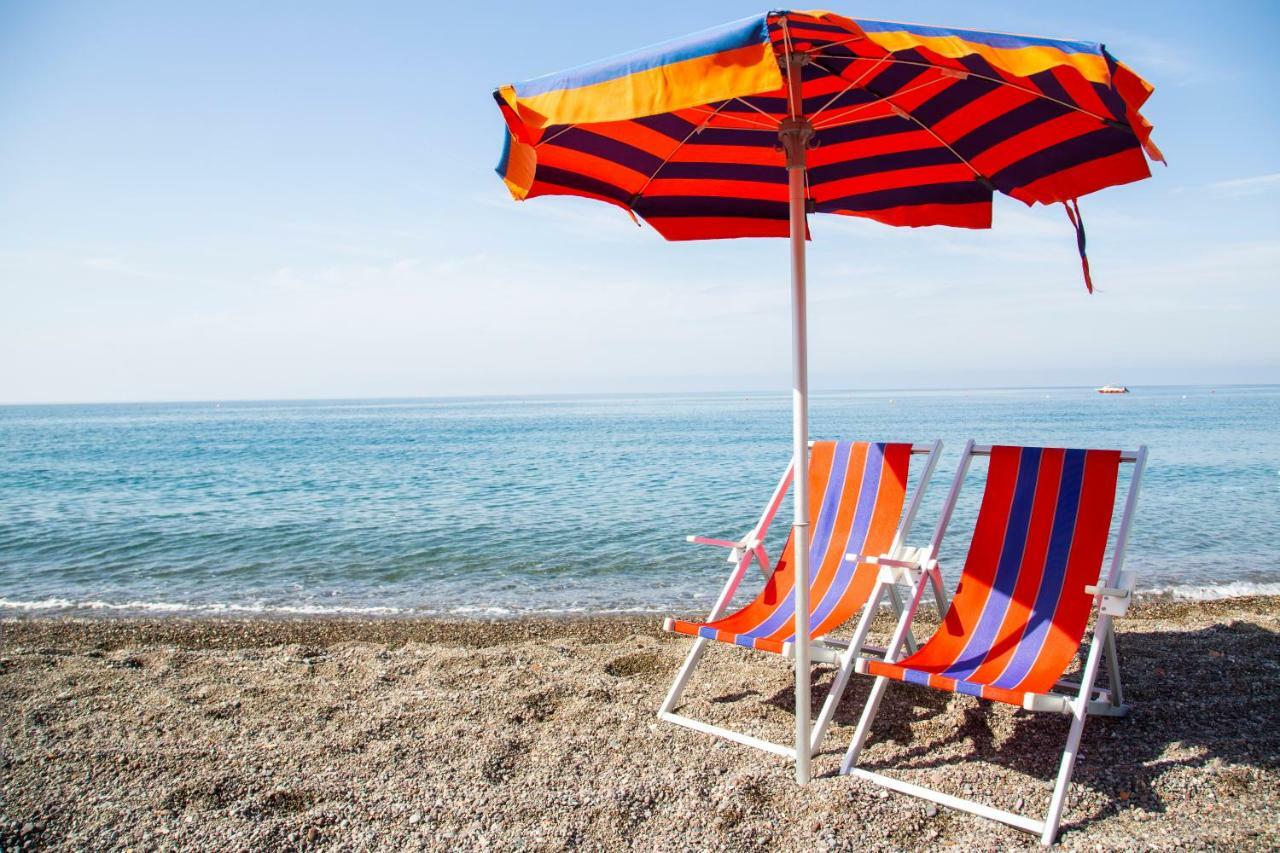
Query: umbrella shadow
1202	699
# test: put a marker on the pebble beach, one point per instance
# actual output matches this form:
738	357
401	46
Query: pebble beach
541	734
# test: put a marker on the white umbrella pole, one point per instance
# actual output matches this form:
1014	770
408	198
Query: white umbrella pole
795	134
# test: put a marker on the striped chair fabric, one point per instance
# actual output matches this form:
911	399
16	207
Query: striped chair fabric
1020	610
856	494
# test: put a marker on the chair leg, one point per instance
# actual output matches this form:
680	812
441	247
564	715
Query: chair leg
939	592
845	669
667	710
896	599
1058	801
1113	669
683	676
864	724
900	636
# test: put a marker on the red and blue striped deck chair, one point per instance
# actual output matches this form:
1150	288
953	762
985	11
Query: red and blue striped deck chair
857	491
1023	603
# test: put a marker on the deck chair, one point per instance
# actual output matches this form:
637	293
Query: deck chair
1018	617
857	491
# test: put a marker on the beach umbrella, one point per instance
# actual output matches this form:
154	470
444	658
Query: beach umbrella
745	129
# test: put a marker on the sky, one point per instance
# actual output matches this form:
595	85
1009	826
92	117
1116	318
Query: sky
239	200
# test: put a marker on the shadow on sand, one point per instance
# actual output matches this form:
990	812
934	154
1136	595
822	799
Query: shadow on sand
1203	698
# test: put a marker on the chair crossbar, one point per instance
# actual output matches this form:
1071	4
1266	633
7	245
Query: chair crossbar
916	449
818	653
1125	455
1056	703
1022	822
867	648
728	734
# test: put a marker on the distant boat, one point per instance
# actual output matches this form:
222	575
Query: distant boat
1113	389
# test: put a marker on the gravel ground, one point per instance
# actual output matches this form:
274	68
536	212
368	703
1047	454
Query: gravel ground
399	734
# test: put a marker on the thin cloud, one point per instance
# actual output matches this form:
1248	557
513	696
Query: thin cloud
1171	64
1255	185
124	268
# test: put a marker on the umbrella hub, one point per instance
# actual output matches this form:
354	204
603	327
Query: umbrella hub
795	134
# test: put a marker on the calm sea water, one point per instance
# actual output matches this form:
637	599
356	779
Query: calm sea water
509	506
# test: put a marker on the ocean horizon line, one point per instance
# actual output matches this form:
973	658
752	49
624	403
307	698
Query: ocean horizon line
618	395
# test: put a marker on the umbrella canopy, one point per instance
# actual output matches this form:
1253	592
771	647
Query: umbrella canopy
744	129
911	125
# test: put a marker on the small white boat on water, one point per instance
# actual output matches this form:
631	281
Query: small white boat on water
1113	389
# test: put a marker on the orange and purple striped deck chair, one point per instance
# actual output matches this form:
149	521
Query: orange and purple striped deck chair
1023	603
857	492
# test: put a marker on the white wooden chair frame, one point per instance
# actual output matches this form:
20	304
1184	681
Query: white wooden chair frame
823	649
1079	699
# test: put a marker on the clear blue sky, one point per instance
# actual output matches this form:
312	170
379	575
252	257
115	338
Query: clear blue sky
262	200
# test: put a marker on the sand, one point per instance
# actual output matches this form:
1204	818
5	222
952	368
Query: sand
541	734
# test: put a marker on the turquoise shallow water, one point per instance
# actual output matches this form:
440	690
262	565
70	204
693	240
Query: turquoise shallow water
574	504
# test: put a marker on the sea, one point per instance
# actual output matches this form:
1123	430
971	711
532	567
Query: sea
500	507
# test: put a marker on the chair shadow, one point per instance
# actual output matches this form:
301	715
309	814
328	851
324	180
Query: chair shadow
1201	698
898	710
728	698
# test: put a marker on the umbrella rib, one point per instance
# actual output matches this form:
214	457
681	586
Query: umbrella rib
846	89
753	124
794	93
841	43
997	80
757	109
787	47
698	128
904	113
565	129
879	99
851	122
907	115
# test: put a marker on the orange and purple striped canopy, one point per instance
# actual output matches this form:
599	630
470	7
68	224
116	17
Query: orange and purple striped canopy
914	125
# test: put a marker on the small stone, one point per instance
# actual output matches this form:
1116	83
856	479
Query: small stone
415	817
930	810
